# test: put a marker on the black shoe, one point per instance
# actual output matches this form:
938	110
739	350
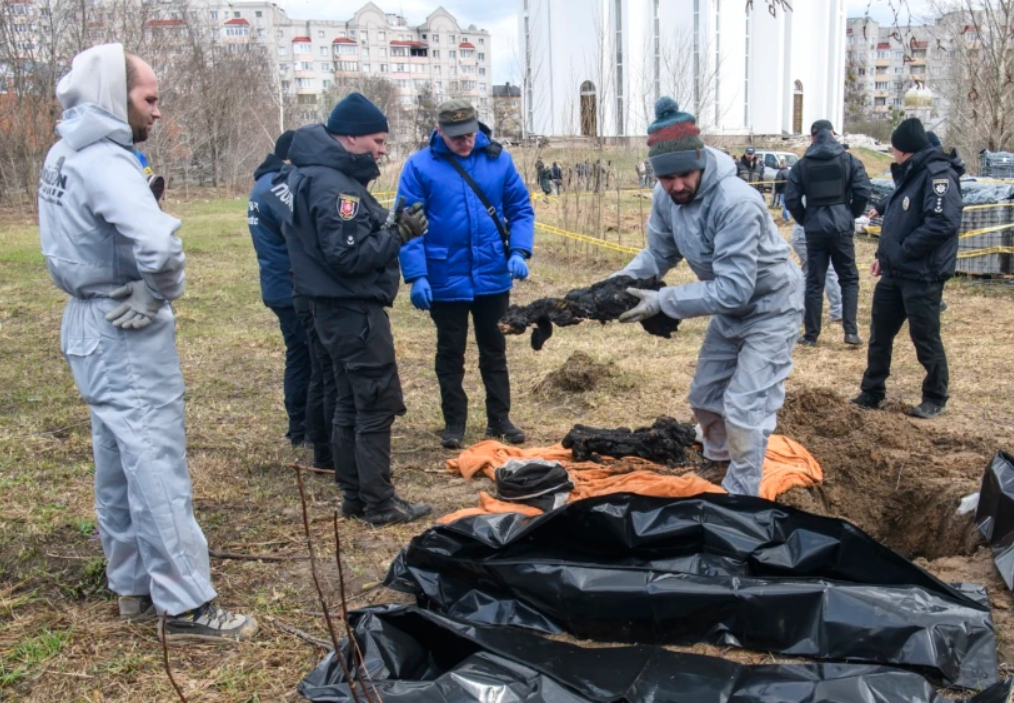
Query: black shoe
400	511
943	306
353	509
868	401
453	437
927	410
807	342
853	339
505	429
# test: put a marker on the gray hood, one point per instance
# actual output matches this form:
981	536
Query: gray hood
94	98
717	166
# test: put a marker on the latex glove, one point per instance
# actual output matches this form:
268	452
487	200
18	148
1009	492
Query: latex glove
138	309
517	266
422	294
648	307
412	223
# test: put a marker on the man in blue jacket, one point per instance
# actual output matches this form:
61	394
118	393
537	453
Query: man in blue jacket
276	288
466	262
916	254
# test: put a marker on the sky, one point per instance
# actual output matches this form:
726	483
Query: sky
500	19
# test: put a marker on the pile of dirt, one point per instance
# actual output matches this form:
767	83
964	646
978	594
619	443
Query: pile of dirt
578	374
898	478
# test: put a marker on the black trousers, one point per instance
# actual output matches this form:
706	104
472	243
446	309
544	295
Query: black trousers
297	371
320	396
838	250
357	337
451	320
894	301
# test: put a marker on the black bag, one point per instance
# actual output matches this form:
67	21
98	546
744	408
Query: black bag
505	235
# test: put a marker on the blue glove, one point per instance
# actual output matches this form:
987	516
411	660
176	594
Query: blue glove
422	294
517	266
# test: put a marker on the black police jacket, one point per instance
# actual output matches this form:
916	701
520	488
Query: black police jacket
827	155
341	244
919	235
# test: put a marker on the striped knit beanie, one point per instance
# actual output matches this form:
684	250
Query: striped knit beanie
674	140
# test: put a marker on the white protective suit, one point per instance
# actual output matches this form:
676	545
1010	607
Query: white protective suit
101	228
754	295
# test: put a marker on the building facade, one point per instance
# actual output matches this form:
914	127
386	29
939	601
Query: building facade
595	67
507	113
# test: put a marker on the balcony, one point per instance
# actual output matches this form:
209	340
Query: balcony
305	74
883	62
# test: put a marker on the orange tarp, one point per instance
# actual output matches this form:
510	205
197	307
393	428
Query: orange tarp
787	465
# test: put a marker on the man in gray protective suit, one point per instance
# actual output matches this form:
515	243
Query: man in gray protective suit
109	246
702	212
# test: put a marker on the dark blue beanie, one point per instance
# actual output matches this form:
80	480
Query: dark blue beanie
355	116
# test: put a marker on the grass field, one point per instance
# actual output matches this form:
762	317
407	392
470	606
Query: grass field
59	637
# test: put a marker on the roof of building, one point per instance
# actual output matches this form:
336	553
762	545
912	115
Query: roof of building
884	45
410	43
237	21
163	23
506	91
344	40
920	44
465	45
301	39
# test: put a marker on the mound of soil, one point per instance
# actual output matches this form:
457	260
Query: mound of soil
578	374
897	478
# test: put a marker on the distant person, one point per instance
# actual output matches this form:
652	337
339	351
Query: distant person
828	188
641	174
916	255
781	180
465	265
557	177
751	169
116	254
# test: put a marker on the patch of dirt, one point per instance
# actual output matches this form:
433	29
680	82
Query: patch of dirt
897	478
579	373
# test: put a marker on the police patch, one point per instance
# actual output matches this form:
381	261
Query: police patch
940	186
348	206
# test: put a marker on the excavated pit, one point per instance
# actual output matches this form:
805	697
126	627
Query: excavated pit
897	478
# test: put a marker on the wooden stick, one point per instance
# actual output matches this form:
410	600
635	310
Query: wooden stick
253	557
314	469
305	636
165	660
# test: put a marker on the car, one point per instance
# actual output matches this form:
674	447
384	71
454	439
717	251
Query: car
771	159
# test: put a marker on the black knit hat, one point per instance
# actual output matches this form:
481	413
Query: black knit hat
933	139
910	136
355	116
283	143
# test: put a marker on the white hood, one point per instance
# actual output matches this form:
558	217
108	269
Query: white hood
94	98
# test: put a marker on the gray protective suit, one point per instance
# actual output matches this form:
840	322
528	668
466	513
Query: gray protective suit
101	228
754	295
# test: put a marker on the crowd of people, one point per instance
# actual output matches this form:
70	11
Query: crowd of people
332	260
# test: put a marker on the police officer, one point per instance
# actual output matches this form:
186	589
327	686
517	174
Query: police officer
344	251
836	190
916	255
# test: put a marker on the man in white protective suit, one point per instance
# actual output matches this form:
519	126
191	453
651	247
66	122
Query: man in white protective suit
116	254
704	214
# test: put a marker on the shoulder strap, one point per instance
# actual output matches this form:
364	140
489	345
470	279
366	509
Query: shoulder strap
504	235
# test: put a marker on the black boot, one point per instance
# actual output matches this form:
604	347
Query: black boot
505	429
453	436
346	470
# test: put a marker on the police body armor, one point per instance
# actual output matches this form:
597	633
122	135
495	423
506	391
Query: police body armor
825	181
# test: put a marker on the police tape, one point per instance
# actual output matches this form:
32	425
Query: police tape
586	239
875	231
988	206
974	253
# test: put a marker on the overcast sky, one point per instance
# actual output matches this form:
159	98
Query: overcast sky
500	19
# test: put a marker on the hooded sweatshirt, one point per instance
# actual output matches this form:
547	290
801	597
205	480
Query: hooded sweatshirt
99	223
729	240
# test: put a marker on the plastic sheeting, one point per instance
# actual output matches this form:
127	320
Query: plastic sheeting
413	656
972	192
995	515
729	570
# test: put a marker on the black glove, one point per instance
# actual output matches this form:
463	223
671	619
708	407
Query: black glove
412	223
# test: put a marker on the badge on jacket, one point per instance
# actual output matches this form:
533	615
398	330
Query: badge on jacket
905	203
940	186
348	206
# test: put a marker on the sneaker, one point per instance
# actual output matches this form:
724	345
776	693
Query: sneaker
208	623
868	401
505	429
400	511
854	339
453	437
137	608
927	410
353	509
807	342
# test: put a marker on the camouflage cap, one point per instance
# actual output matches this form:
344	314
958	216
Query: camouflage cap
457	117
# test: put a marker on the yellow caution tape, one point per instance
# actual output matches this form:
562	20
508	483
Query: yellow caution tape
585	238
383	192
973	253
985	230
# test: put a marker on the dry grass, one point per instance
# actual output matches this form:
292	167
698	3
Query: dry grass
59	638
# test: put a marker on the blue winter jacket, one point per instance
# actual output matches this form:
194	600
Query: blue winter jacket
463	255
266	230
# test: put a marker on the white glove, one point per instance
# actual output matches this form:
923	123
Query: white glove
138	310
648	307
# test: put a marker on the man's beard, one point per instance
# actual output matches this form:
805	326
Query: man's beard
684	197
138	126
140	134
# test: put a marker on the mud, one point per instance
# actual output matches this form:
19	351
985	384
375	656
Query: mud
578	374
897	478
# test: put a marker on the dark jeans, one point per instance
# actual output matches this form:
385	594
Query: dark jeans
838	250
297	371
894	301
357	337
320	396
452	333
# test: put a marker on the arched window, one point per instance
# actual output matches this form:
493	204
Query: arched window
589	110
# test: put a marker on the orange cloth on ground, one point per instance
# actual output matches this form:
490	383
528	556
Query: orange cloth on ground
787	464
